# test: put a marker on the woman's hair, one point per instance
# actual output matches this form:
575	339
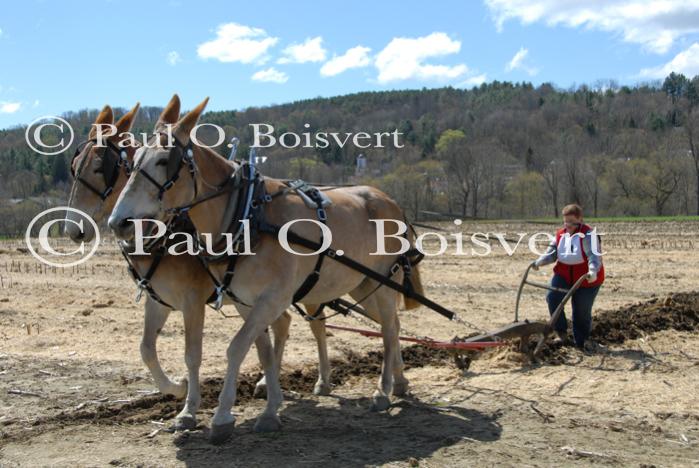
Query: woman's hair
573	209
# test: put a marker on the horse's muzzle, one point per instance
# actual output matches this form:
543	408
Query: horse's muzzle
78	232
122	228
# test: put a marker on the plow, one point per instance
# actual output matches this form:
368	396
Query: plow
464	349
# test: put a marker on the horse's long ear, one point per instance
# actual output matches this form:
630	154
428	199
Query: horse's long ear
186	124
169	115
106	117
124	124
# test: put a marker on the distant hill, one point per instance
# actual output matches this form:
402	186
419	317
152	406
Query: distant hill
500	150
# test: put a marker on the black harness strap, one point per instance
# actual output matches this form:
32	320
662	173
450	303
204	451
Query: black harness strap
334	304
222	288
110	173
313	278
180	154
259	198
408	260
143	282
222	190
157	251
247	184
353	264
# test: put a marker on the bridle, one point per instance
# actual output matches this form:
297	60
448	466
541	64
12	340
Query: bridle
183	155
113	159
180	155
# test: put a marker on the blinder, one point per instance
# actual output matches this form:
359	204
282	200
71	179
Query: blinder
112	157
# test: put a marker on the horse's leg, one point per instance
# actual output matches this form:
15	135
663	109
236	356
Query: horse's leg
155	316
281	334
382	308
391	344
269	421
400	383
193	336
263	313
280	327
322	386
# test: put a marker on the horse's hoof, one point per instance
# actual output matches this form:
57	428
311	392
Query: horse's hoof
381	403
268	424
322	389
400	389
185	423
260	391
221	432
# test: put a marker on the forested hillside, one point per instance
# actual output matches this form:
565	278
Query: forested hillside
500	150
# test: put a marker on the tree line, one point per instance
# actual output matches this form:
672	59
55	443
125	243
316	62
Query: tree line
500	150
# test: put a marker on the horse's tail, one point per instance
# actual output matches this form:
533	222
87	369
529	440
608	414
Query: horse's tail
413	281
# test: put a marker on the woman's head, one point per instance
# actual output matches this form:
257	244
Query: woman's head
572	217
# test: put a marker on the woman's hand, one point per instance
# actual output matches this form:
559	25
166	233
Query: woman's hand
535	266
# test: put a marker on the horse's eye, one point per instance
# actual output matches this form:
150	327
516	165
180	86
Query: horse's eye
98	170
161	162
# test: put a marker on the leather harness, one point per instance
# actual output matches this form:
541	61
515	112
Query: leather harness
248	193
113	159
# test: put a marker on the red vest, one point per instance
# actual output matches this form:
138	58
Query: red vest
571	273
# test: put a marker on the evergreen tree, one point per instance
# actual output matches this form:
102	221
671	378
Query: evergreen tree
59	169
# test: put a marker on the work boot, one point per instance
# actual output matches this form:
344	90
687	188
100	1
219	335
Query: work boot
588	347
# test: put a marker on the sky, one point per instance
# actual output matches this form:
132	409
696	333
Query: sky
62	56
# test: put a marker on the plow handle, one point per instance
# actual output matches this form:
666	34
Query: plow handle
557	313
519	291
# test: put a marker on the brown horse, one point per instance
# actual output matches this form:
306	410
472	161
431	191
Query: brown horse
180	281
268	280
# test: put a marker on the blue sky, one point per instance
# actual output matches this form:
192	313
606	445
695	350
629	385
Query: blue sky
60	56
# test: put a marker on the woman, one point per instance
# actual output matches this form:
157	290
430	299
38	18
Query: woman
576	253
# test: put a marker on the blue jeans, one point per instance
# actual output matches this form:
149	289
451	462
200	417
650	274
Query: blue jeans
582	301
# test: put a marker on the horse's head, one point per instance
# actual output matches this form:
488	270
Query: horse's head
164	173
100	168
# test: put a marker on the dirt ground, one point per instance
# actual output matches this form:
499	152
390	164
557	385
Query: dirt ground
73	390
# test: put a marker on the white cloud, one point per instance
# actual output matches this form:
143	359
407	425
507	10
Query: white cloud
686	62
173	58
518	63
237	43
472	81
9	107
36	103
356	57
0	31
271	75
656	25
517	60
311	50
403	59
